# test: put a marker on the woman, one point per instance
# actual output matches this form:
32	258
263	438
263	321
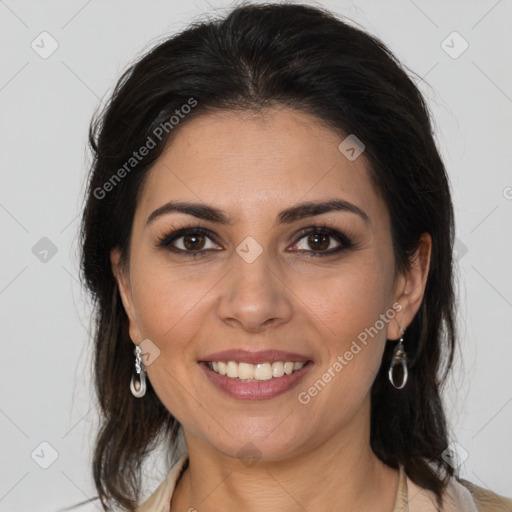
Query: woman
268	238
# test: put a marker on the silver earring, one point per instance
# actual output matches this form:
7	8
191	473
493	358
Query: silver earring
138	385
399	358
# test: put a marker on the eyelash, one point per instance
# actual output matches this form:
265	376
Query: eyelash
345	242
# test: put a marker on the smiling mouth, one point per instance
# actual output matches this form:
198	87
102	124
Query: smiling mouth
247	372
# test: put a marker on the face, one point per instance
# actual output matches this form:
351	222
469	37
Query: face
273	288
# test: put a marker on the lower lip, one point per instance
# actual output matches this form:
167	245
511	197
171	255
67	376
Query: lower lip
262	390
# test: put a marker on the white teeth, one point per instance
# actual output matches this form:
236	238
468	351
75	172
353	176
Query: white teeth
245	371
277	369
222	368
232	369
251	372
262	371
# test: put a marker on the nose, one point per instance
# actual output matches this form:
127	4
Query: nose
254	296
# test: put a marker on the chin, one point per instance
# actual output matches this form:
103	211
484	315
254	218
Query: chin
259	442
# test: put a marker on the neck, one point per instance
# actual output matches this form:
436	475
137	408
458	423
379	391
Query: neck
342	473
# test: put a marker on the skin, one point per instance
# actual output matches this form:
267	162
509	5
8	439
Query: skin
315	456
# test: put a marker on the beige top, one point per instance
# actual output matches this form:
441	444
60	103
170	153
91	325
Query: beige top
460	497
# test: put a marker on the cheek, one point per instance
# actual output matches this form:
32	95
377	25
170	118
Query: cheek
347	301
352	311
171	302
171	305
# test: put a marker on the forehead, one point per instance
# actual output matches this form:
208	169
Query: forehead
258	163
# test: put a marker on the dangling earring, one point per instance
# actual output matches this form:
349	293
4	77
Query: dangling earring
399	357
138	385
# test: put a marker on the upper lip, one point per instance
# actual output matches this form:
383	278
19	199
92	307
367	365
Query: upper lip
255	357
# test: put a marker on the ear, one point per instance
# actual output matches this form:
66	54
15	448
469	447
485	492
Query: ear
122	277
410	288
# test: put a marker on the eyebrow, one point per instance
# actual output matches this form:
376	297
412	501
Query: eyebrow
287	216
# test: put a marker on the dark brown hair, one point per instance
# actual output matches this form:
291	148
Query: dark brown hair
260	56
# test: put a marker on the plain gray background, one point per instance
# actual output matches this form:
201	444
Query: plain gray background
46	106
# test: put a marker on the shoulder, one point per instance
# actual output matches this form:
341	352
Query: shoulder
459	496
487	501
160	499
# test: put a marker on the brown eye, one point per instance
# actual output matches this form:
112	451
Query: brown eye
318	241
315	241
322	241
193	242
189	241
